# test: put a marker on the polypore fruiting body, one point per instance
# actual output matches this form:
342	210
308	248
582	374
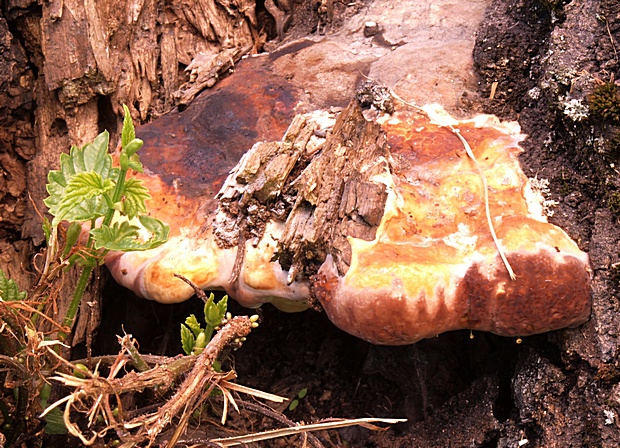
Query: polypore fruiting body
433	266
384	222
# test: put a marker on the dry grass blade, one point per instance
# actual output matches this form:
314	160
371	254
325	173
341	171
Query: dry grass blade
254	392
283	432
471	155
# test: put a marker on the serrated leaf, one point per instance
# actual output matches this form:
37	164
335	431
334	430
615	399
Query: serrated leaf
124	236
135	194
9	291
215	312
120	236
129	131
158	229
93	157
84	198
193	324
187	339
135	164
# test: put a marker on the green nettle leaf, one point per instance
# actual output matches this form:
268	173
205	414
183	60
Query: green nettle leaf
135	196
119	236
215	312
92	157
55	422
135	164
84	198
129	132
187	339
95	156
159	230
9	291
124	236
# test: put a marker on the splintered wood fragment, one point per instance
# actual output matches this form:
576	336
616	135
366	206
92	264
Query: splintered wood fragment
493	89
329	206
206	69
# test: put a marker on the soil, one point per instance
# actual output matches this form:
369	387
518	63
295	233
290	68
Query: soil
467	389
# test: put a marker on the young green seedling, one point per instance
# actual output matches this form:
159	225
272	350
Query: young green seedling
89	189
194	338
300	396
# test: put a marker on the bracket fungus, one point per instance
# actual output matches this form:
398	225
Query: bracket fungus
379	219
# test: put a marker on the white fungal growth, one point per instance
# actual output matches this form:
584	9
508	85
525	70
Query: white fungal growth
541	186
574	108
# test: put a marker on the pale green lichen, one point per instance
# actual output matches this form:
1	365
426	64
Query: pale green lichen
574	108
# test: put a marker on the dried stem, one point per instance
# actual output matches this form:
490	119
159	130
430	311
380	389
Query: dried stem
194	385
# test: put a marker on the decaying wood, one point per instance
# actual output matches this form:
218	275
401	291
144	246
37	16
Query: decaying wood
323	194
16	133
336	196
282	13
116	49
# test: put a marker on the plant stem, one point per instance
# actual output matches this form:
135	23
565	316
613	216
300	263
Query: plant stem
118	193
209	332
137	359
75	302
85	275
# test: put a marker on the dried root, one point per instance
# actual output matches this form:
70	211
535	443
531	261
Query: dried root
96	402
99	398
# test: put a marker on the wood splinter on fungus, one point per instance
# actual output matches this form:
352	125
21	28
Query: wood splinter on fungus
385	222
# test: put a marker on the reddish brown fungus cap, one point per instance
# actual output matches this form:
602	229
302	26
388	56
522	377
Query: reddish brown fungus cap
423	263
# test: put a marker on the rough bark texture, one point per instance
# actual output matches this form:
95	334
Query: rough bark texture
66	69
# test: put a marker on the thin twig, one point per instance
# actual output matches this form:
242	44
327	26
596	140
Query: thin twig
611	38
199	292
129	344
276	433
